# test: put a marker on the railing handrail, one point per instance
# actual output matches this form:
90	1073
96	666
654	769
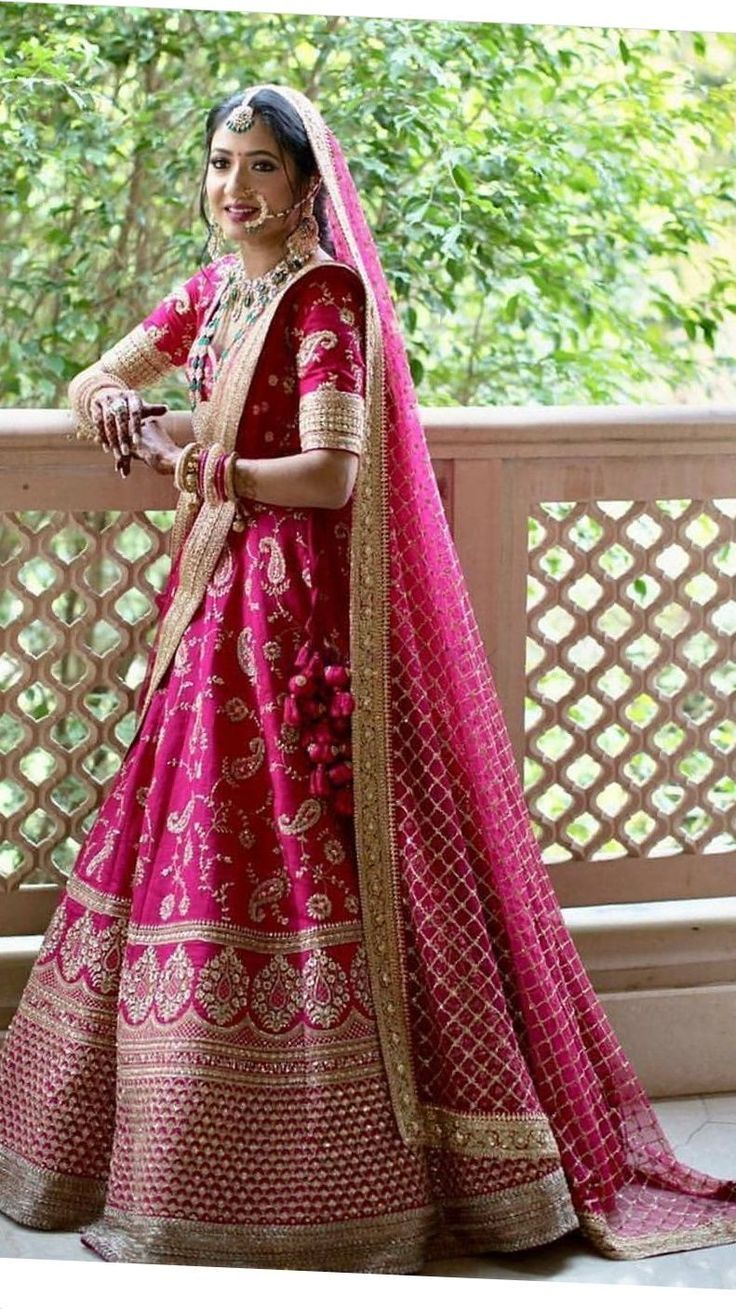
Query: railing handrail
566	424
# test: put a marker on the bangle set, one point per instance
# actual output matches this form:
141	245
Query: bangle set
207	474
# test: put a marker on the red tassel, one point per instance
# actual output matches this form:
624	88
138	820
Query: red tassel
292	712
340	774
343	801
315	667
312	709
302	686
304	655
320	753
337	675
342	704
319	783
322	732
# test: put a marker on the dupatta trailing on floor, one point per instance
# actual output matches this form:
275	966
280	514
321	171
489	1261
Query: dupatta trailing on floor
494	1043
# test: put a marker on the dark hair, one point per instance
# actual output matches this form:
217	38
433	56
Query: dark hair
290	135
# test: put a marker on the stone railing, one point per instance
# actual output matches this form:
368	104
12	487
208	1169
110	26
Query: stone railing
599	546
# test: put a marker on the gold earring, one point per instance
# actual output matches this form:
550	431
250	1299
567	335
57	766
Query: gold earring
214	242
304	240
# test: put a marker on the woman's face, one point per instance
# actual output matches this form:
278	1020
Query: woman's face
244	166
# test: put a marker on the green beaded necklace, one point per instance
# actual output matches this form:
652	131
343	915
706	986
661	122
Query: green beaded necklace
246	297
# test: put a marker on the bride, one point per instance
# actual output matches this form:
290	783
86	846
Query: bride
309	1000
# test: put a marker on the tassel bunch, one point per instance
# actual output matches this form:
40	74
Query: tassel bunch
320	703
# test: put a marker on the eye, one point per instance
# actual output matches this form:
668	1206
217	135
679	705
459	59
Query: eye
218	163
264	166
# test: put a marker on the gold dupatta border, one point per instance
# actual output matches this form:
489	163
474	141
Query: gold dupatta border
421	1125
370	679
216	420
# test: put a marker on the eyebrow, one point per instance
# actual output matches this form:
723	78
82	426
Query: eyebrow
220	150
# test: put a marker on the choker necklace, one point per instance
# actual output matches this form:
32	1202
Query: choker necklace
245	298
250	295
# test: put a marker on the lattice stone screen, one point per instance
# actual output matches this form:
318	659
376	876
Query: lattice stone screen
77	612
629	744
631	679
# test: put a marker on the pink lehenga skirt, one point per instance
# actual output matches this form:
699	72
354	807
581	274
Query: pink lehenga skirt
194	1072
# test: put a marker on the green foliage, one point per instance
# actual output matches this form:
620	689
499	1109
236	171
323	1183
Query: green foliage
552	206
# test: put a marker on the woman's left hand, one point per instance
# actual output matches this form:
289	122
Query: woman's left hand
154	447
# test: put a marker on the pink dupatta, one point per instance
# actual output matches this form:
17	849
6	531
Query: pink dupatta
494	1043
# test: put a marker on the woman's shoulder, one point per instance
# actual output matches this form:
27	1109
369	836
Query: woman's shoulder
333	270
327	279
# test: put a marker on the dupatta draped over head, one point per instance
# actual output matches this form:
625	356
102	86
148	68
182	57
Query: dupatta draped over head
494	1043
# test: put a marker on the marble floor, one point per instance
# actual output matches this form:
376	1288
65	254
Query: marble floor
702	1129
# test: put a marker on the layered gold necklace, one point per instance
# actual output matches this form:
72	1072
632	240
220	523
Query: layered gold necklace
242	301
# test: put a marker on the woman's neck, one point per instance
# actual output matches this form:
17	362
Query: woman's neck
259	260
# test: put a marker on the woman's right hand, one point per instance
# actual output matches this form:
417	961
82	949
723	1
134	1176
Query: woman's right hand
118	415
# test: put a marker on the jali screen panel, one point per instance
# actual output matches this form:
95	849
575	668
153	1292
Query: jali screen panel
631	678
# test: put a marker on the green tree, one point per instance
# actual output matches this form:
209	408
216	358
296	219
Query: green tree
552	206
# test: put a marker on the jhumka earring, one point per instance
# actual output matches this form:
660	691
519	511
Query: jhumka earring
215	242
305	238
240	118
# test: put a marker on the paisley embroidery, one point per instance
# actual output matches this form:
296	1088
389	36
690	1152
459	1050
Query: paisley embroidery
276	566
267	894
178	823
178	299
326	992
312	345
246	657
277	995
222	990
238	770
174	988
306	816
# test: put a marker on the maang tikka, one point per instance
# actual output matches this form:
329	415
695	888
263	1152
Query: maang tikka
240	118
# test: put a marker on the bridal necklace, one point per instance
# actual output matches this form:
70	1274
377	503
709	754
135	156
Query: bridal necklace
243	299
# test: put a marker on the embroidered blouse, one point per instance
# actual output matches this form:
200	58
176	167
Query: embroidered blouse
308	389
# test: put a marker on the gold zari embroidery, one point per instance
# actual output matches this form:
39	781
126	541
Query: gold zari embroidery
331	419
483	1136
137	358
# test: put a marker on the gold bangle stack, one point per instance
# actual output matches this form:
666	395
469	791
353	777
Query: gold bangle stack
186	468
82	392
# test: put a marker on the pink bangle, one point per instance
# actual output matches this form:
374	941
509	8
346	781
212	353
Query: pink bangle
229	478
219	478
214	454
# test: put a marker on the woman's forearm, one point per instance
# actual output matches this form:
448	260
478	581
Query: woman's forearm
317	479
314	479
